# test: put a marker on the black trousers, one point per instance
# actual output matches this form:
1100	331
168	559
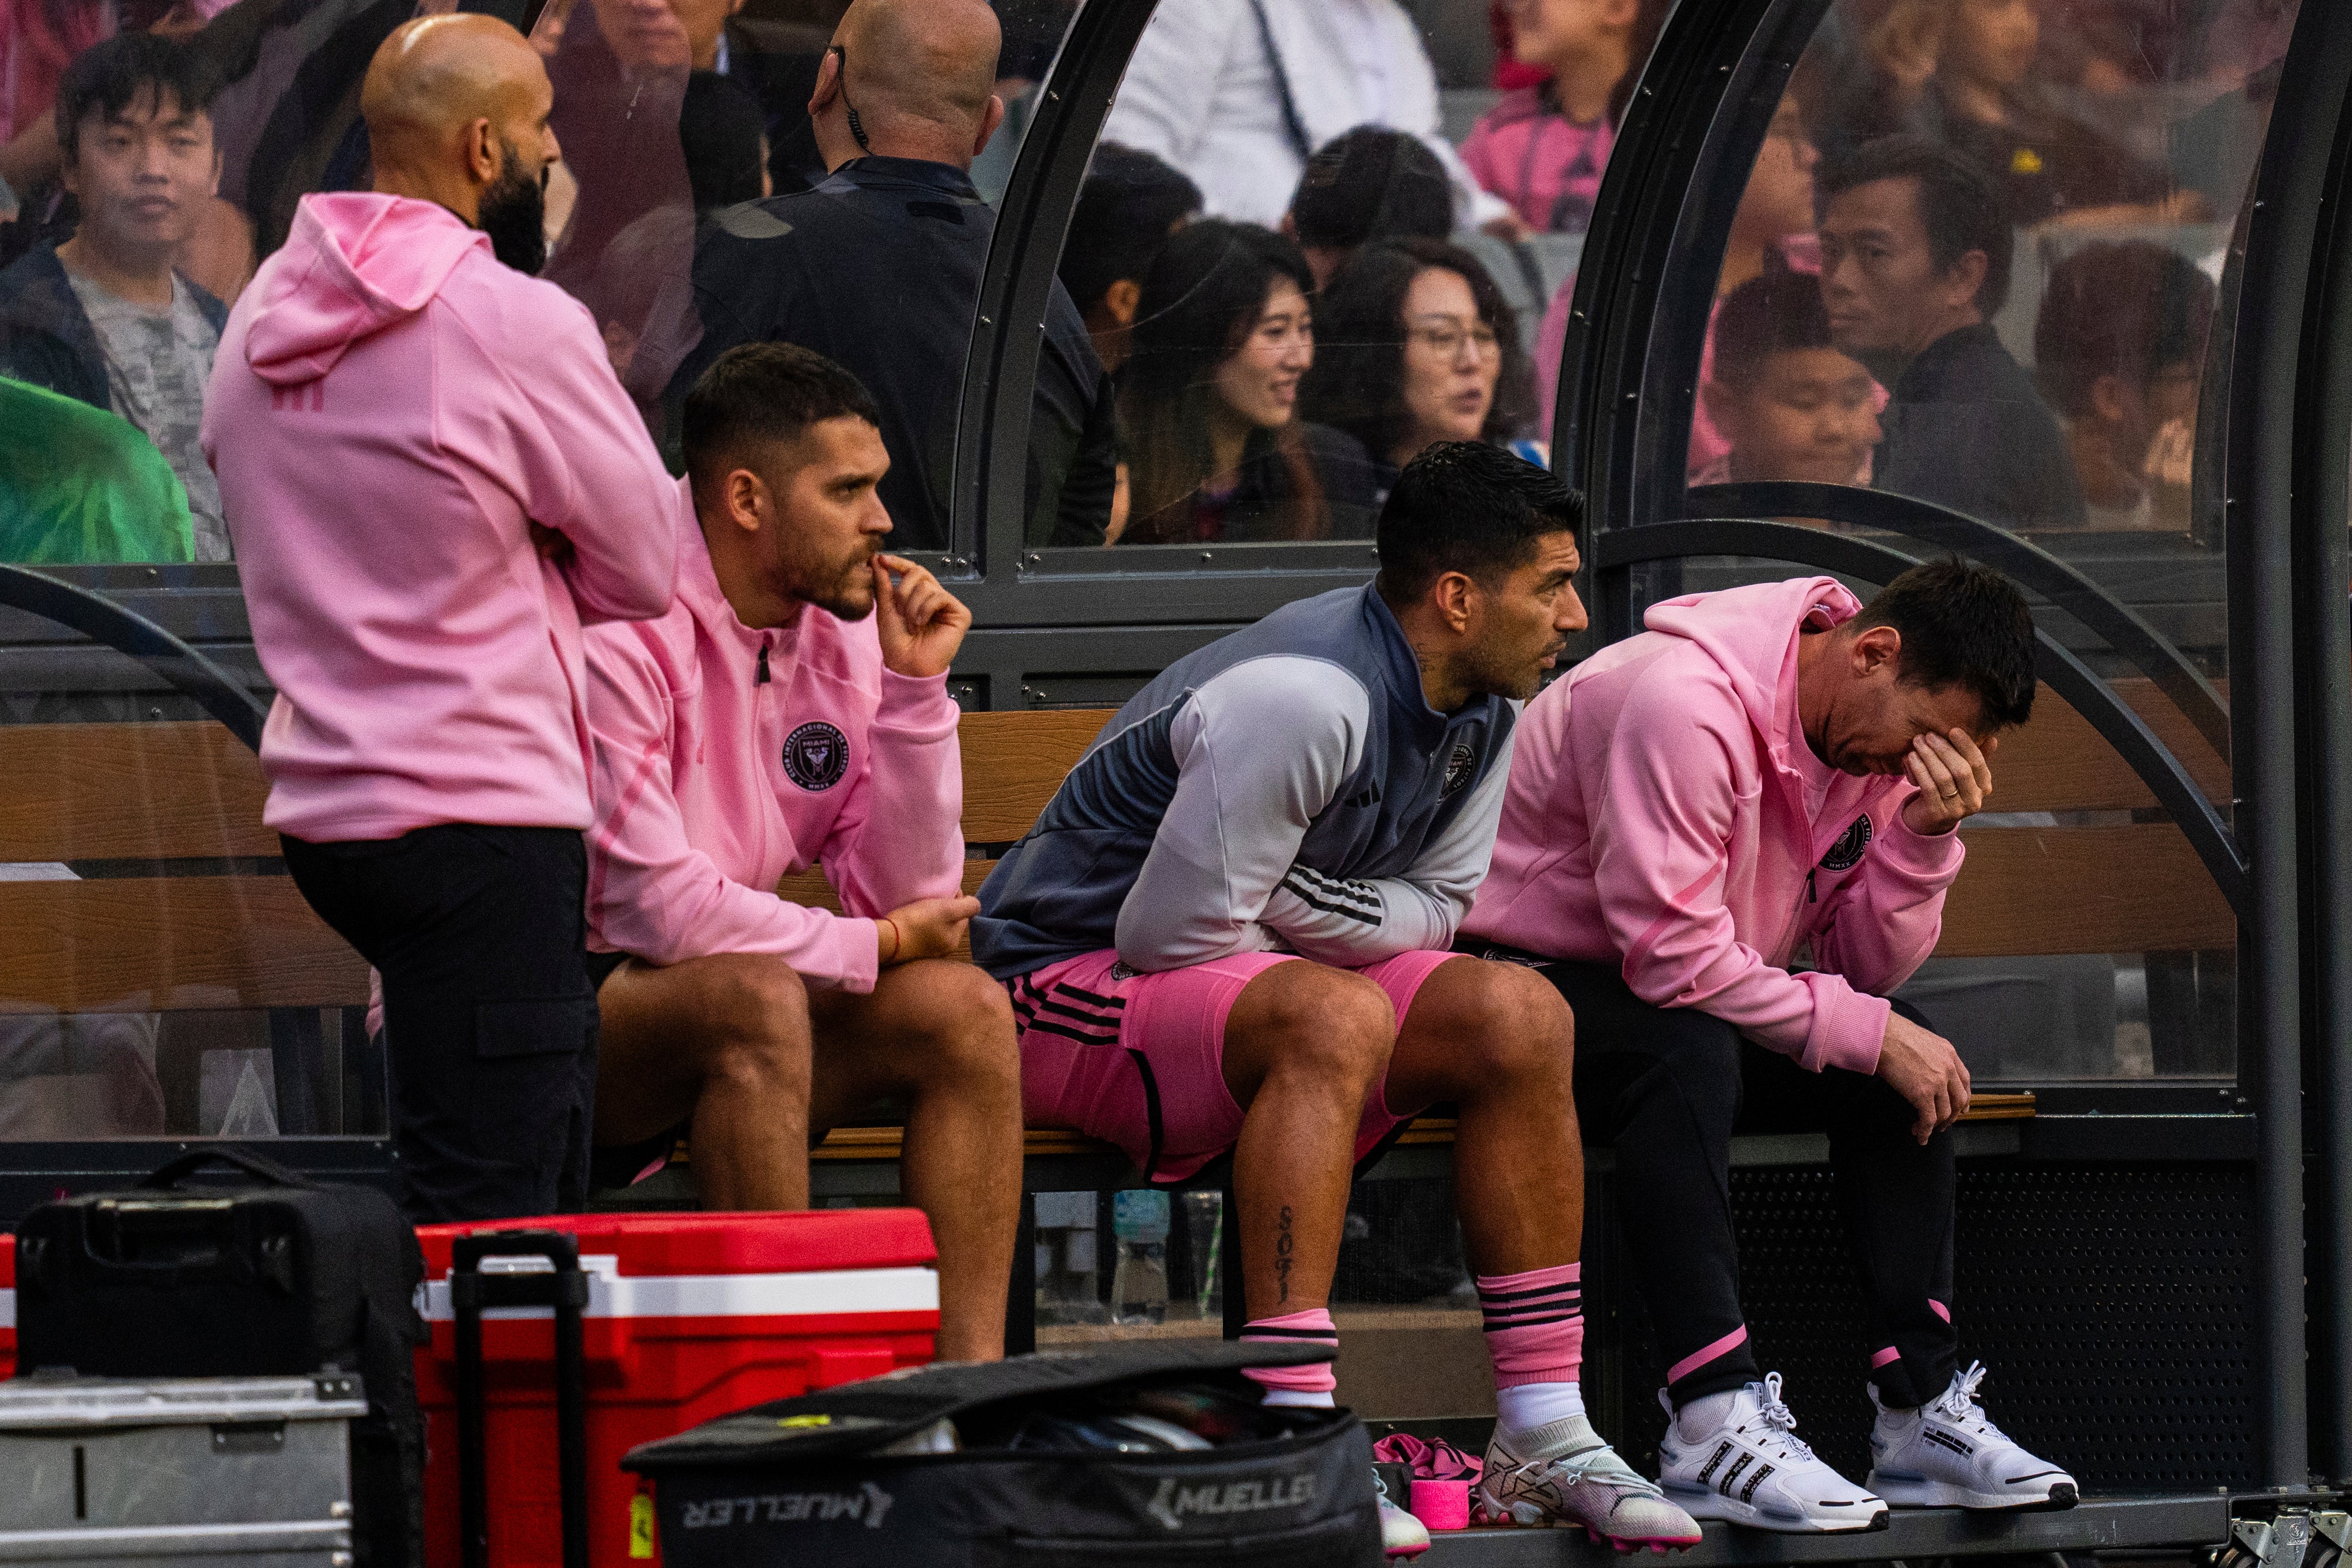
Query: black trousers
1667	1087
489	1024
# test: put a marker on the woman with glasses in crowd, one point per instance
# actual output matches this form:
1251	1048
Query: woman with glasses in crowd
1224	332
1417	346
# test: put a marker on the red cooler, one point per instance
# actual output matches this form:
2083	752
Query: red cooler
689	1316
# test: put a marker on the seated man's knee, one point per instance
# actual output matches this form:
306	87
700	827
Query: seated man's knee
1330	1023
1513	1023
966	1019
759	1011
1703	1056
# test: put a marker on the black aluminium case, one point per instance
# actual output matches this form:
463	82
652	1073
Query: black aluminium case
279	1276
797	1482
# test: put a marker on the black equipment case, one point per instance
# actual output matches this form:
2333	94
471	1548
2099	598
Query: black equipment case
799	1480
278	1276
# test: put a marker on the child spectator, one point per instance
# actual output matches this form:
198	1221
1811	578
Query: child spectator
103	317
1542	147
1788	403
1209	399
1417	346
2118	349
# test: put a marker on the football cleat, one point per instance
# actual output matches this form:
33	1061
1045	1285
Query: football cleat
1562	1473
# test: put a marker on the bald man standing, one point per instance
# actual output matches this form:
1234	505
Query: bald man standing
878	269
432	480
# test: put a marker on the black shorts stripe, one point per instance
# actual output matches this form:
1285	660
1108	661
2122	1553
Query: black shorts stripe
1067	990
1039	1026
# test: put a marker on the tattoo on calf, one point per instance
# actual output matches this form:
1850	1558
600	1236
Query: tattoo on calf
1282	1246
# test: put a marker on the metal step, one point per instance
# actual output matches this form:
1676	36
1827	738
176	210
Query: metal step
2097	1525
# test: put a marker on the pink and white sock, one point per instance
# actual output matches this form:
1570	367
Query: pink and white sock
1535	1335
1310	1385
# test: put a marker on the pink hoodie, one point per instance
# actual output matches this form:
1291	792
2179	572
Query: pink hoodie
727	757
389	408
1666	812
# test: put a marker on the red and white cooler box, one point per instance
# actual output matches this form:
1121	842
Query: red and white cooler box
690	1316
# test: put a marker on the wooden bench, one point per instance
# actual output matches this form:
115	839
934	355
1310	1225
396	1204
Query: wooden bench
176	911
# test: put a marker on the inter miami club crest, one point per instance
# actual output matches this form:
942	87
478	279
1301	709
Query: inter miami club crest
1846	854
816	756
1458	769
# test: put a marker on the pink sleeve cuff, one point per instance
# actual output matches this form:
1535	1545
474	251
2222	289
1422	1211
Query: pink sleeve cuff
1848	1027
1922	855
916	706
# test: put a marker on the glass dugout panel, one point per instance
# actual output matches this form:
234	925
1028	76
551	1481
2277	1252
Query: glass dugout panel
165	978
1305	249
1981	260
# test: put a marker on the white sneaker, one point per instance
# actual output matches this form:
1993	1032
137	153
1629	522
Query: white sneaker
1562	1473
1401	1534
1947	1454
1752	1469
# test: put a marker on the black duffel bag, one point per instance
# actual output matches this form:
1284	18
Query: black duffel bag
803	1481
278	1276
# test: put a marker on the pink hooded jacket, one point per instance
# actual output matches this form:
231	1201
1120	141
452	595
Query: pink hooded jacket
1665	812
390	408
1545	164
727	757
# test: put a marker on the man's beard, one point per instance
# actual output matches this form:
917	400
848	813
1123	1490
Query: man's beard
514	214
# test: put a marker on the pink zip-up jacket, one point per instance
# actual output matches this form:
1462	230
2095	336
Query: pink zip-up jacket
1665	813
390	408
1545	164
727	757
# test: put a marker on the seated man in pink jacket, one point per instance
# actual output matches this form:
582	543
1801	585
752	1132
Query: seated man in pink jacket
432	480
1765	770
791	710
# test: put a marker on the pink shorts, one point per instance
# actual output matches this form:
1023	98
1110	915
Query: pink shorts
1138	1060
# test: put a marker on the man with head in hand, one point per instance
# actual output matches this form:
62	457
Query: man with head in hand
433	481
793	710
1767	769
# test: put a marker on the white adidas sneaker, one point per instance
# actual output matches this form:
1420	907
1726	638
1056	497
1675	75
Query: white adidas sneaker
1752	1469
1947	1454
1562	1473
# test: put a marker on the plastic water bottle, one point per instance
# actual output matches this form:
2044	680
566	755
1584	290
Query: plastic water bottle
1138	1282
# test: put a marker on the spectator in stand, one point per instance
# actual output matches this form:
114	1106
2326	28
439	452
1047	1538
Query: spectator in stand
1771	227
395	370
1984	101
726	145
1916	253
1369	185
1239	93
758	1021
103	318
1130	205
1224	337
774	60
878	268
1788	403
1542	147
1414	346
2119	348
